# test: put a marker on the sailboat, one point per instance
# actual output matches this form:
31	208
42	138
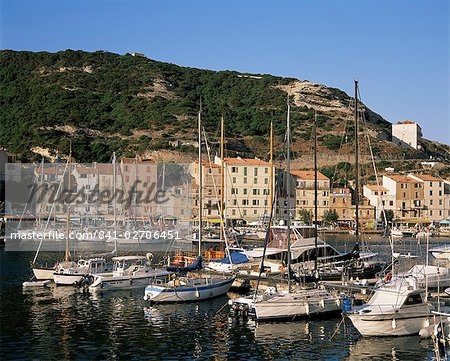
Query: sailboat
291	303
133	271
396	308
71	273
184	285
42	272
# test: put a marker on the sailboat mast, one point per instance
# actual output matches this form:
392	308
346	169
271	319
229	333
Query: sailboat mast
115	202
315	191
200	175
356	162
271	172
288	195
222	178
68	204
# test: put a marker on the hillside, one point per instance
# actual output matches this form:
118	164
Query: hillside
104	102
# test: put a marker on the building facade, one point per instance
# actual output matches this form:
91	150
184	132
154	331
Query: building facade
406	134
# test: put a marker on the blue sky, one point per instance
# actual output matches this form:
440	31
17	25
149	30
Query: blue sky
398	49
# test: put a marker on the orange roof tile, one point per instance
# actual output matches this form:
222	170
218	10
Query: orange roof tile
401	179
426	177
246	161
374	187
308	175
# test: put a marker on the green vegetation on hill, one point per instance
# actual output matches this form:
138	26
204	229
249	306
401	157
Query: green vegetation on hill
117	95
103	102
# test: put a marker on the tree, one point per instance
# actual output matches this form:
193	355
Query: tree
305	216
330	216
389	214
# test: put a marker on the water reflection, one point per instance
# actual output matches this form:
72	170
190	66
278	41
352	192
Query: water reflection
395	349
65	323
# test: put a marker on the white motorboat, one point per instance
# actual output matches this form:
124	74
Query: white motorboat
441	252
71	273
397	309
183	289
128	272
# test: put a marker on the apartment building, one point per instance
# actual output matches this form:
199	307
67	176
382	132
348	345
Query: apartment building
305	193
341	203
406	134
409	197
379	197
433	201
211	190
247	188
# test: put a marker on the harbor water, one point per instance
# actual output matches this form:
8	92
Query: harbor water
67	323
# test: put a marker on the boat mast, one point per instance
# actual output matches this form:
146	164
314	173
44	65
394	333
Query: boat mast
222	178
271	173
356	162
288	195
315	192
200	185
68	204
115	202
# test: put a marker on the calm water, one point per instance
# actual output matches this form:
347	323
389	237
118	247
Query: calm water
64	323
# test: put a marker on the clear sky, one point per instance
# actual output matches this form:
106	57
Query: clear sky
398	49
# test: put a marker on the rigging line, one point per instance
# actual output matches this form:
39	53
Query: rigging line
217	196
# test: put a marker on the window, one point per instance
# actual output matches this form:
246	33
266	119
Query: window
245	171
440	202
234	169
245	202
266	180
255	211
255	202
431	184
255	180
266	170
391	203
244	213
256	192
233	212
266	192
431	213
245	190
234	179
431	193
440	193
417	194
431	202
255	173
234	202
234	191
245	180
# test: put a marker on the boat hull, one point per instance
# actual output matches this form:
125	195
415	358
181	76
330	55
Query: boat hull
384	324
155	293
43	273
291	306
112	283
68	279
